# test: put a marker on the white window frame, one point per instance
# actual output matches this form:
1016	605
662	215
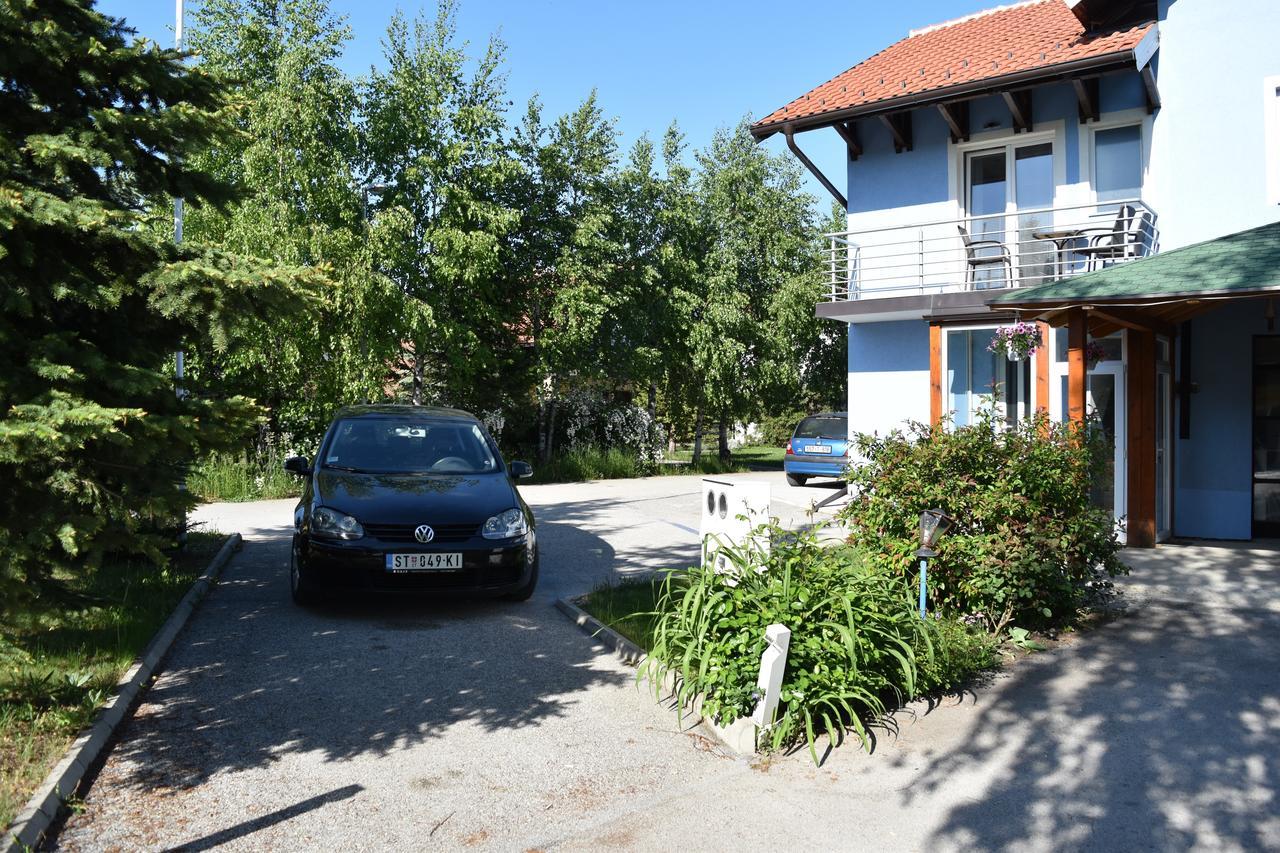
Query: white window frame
1271	136
1053	132
1003	404
1123	118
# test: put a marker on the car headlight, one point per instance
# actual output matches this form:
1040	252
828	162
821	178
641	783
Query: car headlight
331	524
505	525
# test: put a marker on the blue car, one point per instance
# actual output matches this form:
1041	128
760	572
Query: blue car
818	448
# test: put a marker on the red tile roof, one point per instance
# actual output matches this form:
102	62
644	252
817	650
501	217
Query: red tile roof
985	46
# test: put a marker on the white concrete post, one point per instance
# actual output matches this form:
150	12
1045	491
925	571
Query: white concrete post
772	665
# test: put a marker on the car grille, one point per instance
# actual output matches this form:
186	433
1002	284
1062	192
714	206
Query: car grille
404	532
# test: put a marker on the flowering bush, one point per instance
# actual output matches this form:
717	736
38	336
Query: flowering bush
1017	341
591	422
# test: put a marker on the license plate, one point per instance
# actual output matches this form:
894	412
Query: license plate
818	448
424	562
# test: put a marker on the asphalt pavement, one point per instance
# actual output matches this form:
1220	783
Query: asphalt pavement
410	724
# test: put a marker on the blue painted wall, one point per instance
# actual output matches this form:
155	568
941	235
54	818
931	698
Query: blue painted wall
876	347
1213	469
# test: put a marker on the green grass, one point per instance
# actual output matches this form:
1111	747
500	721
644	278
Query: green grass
751	458
627	607
59	664
240	478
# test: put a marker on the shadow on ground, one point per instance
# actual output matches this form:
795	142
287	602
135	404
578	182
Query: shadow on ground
255	677
1160	730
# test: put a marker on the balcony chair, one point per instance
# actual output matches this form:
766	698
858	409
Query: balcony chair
974	261
1125	240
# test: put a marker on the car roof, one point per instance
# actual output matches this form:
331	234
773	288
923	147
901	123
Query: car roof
828	415
383	409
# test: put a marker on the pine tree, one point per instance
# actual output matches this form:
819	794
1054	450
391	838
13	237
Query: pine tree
96	131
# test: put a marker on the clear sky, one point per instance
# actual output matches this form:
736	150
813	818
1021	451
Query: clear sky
704	63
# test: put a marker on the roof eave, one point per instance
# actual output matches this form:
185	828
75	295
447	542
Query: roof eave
1135	300
1122	60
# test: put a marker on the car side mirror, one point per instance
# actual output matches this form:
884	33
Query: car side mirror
297	465
521	470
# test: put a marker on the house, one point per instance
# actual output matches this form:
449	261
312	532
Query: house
1106	169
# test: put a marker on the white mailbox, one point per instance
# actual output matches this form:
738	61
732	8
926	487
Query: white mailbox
731	511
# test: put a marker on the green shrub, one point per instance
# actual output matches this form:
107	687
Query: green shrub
855	639
588	463
775	430
959	653
1026	540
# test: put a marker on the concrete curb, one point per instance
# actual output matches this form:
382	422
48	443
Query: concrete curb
740	736
35	818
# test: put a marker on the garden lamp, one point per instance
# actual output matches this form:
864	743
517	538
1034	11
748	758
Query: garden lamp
933	524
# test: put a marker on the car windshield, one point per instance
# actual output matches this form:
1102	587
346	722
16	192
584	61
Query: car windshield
823	426
409	445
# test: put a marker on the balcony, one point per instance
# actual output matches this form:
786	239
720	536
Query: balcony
1004	250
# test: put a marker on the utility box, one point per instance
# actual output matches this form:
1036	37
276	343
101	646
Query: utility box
732	510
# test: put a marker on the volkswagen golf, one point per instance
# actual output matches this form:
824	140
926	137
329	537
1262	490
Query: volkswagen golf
411	498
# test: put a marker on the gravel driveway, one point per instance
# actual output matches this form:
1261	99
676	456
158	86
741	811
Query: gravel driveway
485	725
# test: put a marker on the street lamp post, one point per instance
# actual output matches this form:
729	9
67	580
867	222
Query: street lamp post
933	524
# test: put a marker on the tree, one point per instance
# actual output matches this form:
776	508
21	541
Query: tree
761	226
293	162
433	137
95	128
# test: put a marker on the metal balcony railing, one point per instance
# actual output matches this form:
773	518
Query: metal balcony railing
1018	249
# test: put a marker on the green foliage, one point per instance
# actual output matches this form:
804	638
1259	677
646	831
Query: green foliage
776	430
1027	539
96	298
855	639
959	653
58	664
243	477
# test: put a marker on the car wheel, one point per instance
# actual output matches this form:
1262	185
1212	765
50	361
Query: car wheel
302	591
796	479
525	592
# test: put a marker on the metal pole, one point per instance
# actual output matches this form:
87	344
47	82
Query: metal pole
924	570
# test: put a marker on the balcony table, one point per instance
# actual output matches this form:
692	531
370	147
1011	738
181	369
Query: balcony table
1060	240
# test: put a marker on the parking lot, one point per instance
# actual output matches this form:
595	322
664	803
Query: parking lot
412	723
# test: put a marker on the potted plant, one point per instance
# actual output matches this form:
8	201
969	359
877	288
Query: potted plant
1017	341
1094	352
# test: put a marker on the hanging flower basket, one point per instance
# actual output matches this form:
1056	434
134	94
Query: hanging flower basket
1016	342
1094	352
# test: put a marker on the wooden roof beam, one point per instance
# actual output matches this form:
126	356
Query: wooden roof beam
899	125
1019	104
1130	319
849	133
956	115
1087	97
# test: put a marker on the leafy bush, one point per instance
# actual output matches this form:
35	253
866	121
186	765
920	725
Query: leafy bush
959	653
1026	542
775	430
252	476
855	640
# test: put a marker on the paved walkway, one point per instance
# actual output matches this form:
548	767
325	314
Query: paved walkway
485	725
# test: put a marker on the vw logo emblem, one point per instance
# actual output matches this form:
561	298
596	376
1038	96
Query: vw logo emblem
423	533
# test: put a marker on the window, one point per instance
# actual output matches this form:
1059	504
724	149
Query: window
977	377
1271	122
1117	163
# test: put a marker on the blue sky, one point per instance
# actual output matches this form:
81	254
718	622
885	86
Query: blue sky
703	63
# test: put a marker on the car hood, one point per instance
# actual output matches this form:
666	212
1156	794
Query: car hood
415	498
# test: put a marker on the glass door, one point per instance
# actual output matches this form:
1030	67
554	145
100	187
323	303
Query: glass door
1105	405
1266	435
987	203
1009	191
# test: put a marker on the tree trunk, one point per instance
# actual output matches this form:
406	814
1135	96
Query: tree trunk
653	402
417	378
697	437
724	438
542	431
551	431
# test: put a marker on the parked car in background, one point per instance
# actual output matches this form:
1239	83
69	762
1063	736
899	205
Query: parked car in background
411	498
819	447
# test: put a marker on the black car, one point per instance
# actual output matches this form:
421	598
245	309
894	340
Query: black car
411	498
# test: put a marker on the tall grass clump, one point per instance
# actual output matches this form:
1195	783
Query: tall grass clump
258	475
857	645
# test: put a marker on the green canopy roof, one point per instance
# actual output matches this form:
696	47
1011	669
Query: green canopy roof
1241	263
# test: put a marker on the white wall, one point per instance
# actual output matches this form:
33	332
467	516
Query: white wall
1207	174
